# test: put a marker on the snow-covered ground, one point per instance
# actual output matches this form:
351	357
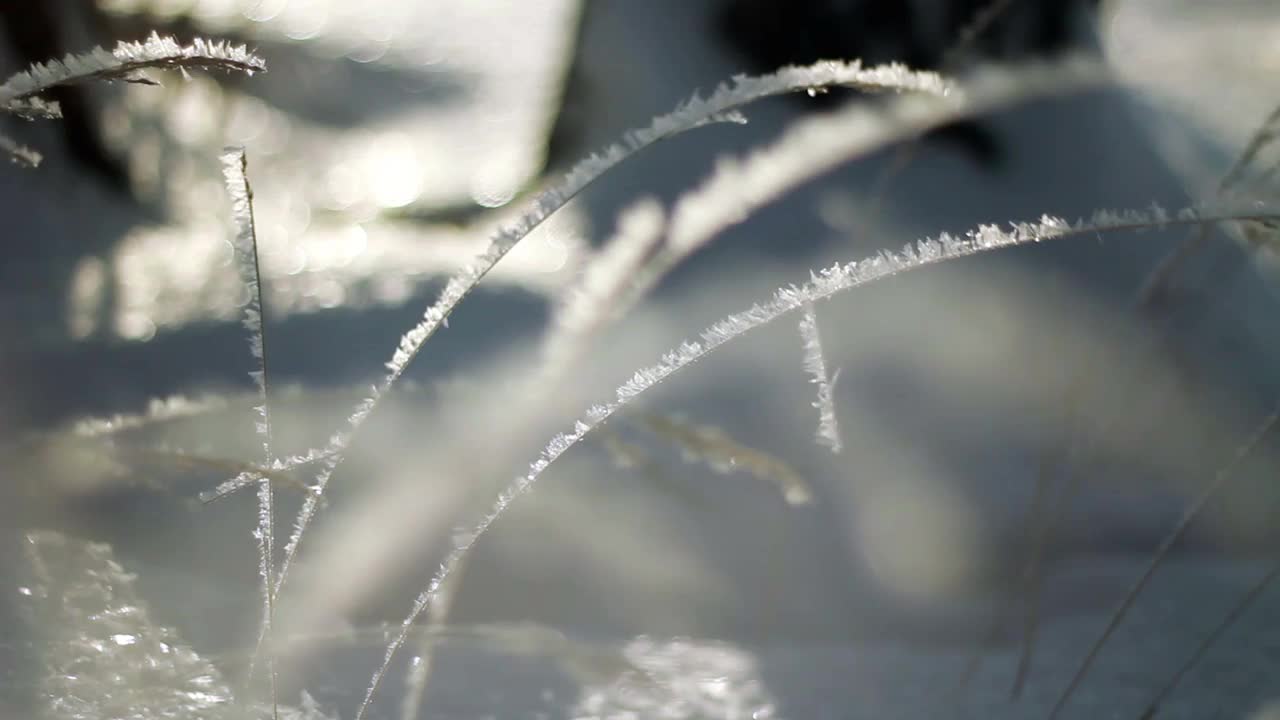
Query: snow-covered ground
102	652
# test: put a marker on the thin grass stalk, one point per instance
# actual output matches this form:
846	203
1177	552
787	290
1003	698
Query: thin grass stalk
1189	515
235	167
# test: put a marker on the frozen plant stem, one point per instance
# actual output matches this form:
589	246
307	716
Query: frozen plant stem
124	62
815	364
19	95
249	265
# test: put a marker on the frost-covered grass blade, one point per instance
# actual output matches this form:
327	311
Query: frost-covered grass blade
124	62
248	263
20	94
815	363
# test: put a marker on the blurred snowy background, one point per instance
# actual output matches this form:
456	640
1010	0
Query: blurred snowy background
384	142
